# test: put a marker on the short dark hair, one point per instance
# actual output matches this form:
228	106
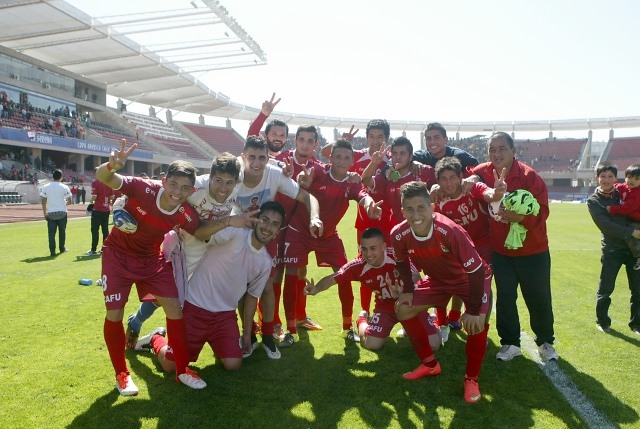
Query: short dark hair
273	206
372	233
607	166
403	141
437	126
182	168
415	189
502	135
379	124
341	144
277	123
226	163
632	171
448	163
255	142
307	128
57	174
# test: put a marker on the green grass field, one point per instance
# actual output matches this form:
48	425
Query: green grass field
55	371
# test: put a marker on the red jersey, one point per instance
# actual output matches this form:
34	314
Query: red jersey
333	197
389	190
361	160
153	222
446	255
287	202
377	279
256	125
468	211
103	195
629	202
520	176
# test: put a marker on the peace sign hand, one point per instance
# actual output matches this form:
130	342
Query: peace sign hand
118	158
305	178
287	170
378	156
500	185
351	134
374	211
310	288
269	105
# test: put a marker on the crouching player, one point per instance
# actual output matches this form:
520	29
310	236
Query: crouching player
237	263
376	270
444	252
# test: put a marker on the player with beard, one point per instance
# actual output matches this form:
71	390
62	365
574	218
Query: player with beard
276	133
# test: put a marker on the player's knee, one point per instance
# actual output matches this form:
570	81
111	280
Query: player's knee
371	343
232	364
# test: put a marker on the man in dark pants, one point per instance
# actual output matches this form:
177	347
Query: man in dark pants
615	251
101	198
55	197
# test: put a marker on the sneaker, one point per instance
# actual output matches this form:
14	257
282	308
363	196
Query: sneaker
254	346
547	352
423	371
289	339
272	354
635	329
125	385
132	336
144	343
471	391
636	266
191	379
444	333
455	325
309	325
91	253
401	333
349	334
603	328
278	332
508	352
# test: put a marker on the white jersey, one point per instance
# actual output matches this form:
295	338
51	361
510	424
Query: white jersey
231	267
273	181
56	194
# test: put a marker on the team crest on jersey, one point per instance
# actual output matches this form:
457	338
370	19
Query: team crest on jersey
396	274
444	249
484	298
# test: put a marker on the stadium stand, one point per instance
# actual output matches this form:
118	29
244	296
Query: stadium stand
623	151
219	138
551	154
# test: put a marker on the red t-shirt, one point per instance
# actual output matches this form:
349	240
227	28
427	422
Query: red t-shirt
361	160
103	195
469	212
153	222
290	205
629	202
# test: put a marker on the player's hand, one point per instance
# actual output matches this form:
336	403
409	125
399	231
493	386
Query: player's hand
608	209
436	194
396	289
351	134
404	300
510	216
353	177
118	158
316	227
416	168
287	170
471	324
500	186
310	288
378	155
244	220
636	233
269	105
305	178
374	211
246	342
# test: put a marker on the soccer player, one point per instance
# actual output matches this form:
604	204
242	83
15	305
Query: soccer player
237	265
446	255
436	142
276	132
528	266
330	185
469	211
135	257
615	230
101	198
377	271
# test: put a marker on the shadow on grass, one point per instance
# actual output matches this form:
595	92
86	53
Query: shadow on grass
39	259
84	258
629	336
352	388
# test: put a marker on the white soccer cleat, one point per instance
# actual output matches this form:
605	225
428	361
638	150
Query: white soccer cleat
190	378
125	385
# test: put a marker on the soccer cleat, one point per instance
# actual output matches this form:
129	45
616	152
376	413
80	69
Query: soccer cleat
91	253
455	325
254	346
272	354
132	336
190	378
144	343
350	335
508	352
636	266
603	328
125	385
278	332
444	333
401	333
309	325
547	352
471	391
422	371
288	340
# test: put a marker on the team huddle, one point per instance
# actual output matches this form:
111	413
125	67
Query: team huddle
236	241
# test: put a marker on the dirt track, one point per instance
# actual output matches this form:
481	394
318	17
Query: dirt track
28	212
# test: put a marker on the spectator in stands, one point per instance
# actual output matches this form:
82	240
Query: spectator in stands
436	143
55	198
615	252
629	193
528	266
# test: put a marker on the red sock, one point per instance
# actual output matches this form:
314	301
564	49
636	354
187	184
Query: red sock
115	339
454	315
289	295
301	300
158	342
267	328
345	293
277	291
441	316
365	298
476	348
419	339
178	343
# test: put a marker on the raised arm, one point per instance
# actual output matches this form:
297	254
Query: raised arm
106	173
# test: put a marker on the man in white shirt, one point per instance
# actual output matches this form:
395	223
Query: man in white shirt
55	197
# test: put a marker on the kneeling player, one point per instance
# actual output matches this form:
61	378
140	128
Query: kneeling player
377	271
